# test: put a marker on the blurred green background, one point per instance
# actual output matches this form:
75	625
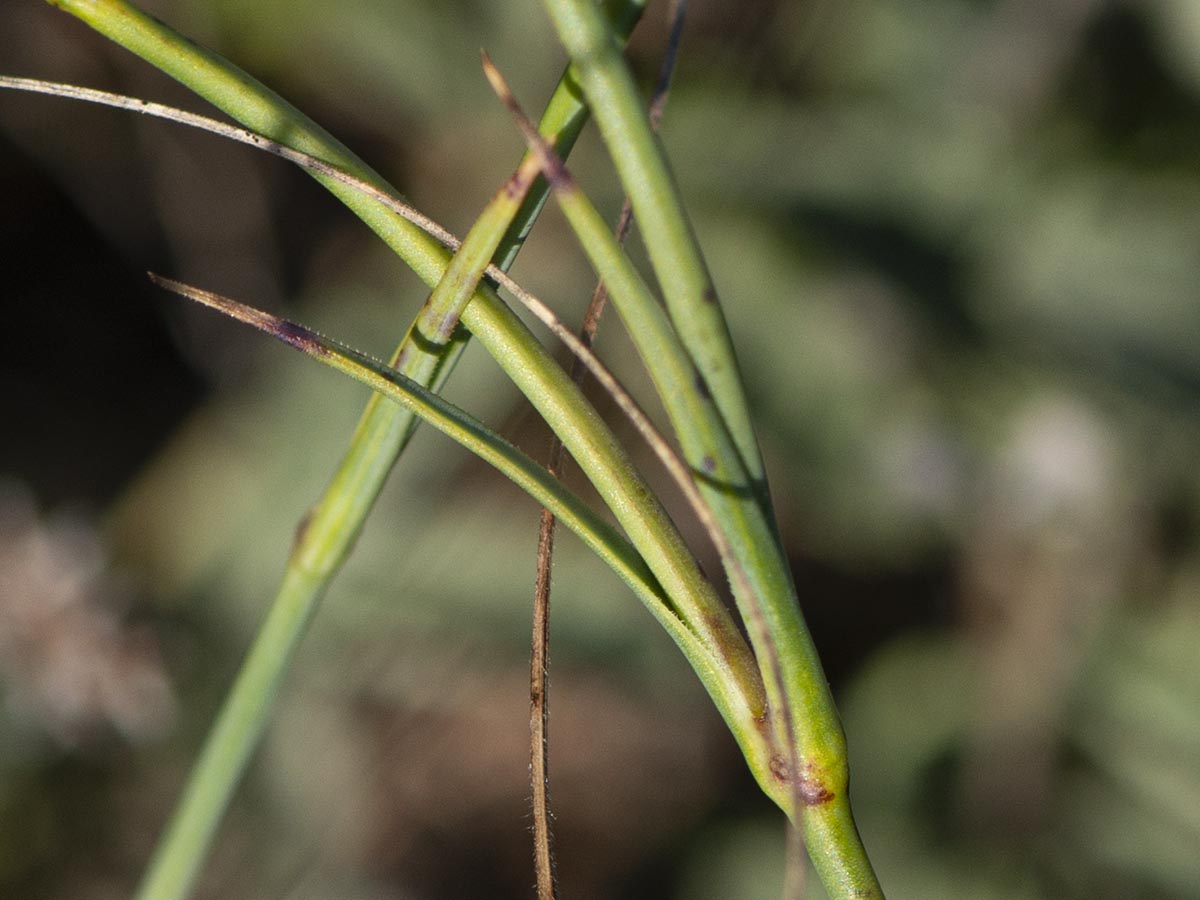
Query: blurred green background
959	241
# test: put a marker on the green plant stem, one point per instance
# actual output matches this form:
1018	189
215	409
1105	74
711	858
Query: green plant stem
711	663
726	667
526	362
743	536
238	727
805	719
232	739
758	569
674	252
765	594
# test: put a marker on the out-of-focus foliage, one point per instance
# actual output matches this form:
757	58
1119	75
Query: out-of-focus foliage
958	240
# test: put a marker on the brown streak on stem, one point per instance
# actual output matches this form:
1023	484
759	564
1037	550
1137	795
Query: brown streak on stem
539	663
539	709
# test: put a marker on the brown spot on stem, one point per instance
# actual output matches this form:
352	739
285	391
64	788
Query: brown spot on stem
301	531
702	387
814	794
779	769
710	294
299	337
515	187
810	789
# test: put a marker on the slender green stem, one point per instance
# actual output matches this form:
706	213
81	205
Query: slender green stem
602	459
230	742
739	527
234	736
809	776
674	252
744	537
526	362
383	430
726	667
711	660
712	644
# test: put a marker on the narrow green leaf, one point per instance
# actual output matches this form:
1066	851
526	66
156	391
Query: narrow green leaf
461	427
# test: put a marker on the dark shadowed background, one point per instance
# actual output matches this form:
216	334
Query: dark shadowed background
959	241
